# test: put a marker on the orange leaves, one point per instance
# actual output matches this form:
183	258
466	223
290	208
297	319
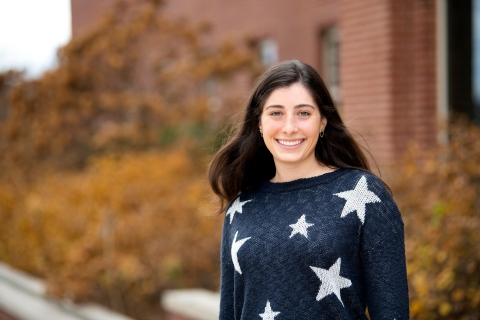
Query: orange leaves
116	88
135	222
87	200
438	194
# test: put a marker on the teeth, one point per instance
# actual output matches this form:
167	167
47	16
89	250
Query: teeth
289	143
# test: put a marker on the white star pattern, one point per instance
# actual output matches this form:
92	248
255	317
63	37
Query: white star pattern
268	314
235	247
357	199
300	227
235	207
331	280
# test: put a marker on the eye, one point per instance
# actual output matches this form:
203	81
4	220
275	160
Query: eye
275	113
304	113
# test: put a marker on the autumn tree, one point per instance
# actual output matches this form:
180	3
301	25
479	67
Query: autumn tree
102	187
136	80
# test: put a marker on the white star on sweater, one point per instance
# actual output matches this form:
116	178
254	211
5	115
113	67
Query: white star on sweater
268	314
235	247
357	199
331	280
300	227
235	207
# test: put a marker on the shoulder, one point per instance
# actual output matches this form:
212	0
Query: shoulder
364	180
366	190
240	200
357	173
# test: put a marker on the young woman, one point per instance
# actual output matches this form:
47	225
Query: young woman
309	232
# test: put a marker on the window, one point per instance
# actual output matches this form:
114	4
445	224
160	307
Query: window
463	51
330	44
476	58
268	52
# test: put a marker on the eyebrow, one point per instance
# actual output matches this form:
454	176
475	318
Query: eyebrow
296	107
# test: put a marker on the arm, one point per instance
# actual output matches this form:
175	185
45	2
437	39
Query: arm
227	274
383	258
385	278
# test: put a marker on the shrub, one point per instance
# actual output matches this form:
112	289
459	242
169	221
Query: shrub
99	192
439	195
120	232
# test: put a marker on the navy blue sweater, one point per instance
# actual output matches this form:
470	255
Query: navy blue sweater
325	247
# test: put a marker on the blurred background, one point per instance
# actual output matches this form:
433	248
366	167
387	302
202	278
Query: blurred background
104	148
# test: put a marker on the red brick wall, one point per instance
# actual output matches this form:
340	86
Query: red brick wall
414	73
425	73
387	55
388	73
366	71
295	25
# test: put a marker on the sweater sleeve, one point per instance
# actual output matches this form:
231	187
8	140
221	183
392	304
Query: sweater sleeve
386	279
383	261
227	276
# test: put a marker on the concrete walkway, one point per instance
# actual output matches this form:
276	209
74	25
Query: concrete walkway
22	297
191	304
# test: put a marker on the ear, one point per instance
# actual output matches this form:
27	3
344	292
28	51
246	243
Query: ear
323	123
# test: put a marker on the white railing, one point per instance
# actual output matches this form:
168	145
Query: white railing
195	304
23	297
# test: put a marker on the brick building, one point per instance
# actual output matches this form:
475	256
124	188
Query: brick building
397	68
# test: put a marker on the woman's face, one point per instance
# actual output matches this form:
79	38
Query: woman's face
291	123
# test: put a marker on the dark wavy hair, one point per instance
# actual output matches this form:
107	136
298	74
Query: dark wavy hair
244	161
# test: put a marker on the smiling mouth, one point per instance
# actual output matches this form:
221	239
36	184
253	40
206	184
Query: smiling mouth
290	143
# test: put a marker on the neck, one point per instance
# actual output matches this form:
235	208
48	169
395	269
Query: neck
289	172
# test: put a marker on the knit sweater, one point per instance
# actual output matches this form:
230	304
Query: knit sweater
325	247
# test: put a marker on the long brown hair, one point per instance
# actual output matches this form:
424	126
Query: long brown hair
244	161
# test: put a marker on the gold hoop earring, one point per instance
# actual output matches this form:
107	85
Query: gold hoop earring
261	133
322	133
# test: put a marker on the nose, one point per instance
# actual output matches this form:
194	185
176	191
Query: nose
289	126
